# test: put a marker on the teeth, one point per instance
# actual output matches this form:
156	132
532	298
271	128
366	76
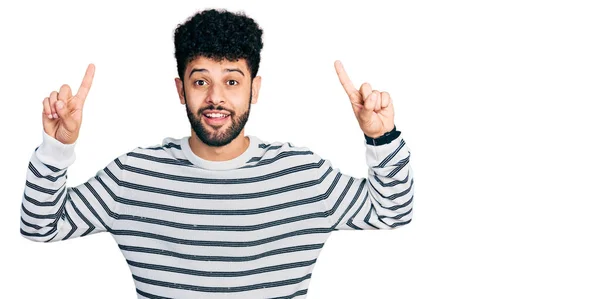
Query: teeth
216	115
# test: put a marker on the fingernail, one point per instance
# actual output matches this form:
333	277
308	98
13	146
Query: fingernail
50	116
55	115
59	104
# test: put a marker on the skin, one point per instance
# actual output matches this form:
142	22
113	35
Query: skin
373	109
214	85
218	85
62	111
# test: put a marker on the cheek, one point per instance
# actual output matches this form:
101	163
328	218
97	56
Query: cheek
239	98
193	99
192	106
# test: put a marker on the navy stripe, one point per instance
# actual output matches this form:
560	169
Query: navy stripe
89	224
40	189
168	145
47	177
299	293
342	198
185	162
172	161
396	217
221	273
215	211
44	203
393	183
396	207
213	196
54	216
400	165
368	219
266	148
200	180
73	227
224	227
222	289
148	295
351	219
31	224
394	195
401	223
51	231
239	228
106	209
389	157
220	243
264	161
216	258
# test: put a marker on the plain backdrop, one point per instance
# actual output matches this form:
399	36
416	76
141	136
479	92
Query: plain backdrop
497	101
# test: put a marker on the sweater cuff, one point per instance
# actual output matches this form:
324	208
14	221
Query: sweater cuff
383	139
55	153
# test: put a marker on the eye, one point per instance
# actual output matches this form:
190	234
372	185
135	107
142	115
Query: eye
200	82
232	82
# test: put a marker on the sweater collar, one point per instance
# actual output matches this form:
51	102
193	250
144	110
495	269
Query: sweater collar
237	162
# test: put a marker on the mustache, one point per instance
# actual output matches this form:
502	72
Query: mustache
201	110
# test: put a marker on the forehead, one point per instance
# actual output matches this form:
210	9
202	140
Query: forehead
217	66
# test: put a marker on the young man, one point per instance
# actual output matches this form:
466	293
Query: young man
217	214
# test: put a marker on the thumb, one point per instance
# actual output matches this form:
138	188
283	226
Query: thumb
65	116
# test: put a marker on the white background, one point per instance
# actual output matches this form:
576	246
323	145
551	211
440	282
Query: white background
497	101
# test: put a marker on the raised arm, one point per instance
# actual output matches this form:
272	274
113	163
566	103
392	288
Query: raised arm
384	198
50	210
381	200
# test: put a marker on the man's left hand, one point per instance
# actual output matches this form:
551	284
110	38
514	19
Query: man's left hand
373	109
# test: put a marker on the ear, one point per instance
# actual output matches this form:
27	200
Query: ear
255	88
180	92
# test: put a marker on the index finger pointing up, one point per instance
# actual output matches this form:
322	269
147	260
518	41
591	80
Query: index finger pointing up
86	84
344	79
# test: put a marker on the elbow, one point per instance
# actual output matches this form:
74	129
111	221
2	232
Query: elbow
402	219
404	214
38	227
37	233
31	236
37	237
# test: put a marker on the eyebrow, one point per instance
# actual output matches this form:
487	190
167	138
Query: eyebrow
206	71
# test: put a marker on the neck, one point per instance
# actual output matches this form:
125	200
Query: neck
221	153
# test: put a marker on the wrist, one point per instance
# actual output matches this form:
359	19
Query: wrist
383	139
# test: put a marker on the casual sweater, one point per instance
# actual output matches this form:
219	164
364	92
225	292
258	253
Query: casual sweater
249	227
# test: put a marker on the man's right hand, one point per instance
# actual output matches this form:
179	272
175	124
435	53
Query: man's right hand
62	110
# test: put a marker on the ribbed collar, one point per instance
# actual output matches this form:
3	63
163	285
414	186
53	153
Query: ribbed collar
237	162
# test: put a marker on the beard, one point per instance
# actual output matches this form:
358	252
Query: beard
222	135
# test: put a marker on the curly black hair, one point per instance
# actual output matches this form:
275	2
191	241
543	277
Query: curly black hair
218	34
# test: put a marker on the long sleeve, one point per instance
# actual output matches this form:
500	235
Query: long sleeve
51	211
382	200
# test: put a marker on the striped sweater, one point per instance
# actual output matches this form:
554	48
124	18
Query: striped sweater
250	227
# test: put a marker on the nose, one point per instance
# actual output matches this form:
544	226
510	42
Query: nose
215	95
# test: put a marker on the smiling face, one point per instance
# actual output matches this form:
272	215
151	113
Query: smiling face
217	95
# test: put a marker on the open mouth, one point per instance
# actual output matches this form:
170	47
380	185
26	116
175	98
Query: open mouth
216	118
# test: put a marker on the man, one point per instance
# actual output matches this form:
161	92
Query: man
217	214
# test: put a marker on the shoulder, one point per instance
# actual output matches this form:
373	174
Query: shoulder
167	151
286	148
284	153
167	144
